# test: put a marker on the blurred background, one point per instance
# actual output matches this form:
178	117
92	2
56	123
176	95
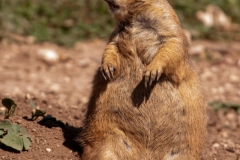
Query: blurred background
51	49
66	21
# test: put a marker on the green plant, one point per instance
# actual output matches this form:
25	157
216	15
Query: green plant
217	105
37	113
10	106
13	135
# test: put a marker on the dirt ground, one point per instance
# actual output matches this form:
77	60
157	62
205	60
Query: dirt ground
61	87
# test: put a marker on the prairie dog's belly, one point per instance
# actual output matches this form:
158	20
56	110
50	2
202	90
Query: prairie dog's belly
145	114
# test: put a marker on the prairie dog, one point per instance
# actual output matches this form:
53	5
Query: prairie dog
146	101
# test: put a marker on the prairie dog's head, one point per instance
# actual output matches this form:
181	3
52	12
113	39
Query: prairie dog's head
123	9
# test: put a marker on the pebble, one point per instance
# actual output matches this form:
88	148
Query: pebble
75	153
231	116
234	78
19	121
48	55
84	100
224	134
48	150
216	145
84	62
237	151
37	140
55	87
214	69
228	86
197	49
229	60
28	96
229	146
67	79
206	74
2	109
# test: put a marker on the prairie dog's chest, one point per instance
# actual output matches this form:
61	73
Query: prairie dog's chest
141	41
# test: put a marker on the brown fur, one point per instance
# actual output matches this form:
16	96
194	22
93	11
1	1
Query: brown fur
146	101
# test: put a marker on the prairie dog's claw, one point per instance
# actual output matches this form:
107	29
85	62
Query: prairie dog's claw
151	75
108	71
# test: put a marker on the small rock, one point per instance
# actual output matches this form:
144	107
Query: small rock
214	69
229	60
229	146
37	140
84	100
221	90
234	78
228	86
55	87
214	16
67	79
237	152
206	74
48	150
84	62
48	55
43	95
2	109
19	121
197	49
231	116
69	66
224	134
216	145
30	40
28	96
74	107
17	91
75	153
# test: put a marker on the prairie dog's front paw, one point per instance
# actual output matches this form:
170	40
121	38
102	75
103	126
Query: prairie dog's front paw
152	73
109	70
